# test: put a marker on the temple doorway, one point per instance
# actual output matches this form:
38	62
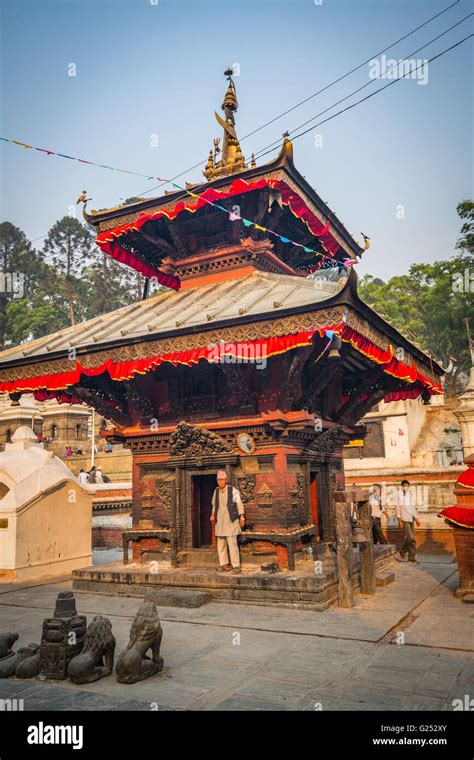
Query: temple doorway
202	490
313	500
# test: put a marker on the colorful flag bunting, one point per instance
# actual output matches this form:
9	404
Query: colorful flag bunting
326	260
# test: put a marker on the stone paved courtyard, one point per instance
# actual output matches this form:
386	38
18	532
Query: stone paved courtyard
227	656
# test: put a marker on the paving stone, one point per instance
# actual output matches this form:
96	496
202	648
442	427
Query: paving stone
383	579
285	658
177	597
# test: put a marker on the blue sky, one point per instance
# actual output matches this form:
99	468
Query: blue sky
145	69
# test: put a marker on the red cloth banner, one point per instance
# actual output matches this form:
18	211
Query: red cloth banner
289	198
265	347
462	517
126	257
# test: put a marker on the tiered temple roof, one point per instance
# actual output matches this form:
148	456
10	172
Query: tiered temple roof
229	281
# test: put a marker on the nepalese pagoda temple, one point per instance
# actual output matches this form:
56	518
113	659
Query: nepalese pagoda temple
257	358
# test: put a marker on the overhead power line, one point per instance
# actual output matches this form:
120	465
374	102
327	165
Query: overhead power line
348	73
367	97
331	84
367	84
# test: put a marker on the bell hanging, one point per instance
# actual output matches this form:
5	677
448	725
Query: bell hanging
358	535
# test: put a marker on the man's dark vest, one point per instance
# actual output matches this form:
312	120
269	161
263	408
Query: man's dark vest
231	505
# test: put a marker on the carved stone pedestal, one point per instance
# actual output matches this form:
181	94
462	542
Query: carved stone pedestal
63	637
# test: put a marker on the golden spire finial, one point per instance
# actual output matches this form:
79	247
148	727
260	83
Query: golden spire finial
232	159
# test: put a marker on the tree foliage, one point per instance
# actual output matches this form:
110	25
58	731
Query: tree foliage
431	303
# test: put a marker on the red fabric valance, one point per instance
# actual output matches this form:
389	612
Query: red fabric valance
126	257
107	240
268	347
462	517
411	393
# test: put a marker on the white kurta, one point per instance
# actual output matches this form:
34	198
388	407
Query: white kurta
405	509
224	525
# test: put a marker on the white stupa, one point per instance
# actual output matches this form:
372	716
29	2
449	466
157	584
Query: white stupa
45	513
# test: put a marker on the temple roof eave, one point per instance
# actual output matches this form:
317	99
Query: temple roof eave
41	349
283	162
302	319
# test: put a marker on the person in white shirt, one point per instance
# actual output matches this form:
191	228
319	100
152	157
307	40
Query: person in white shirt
83	478
98	475
228	516
375	501
407	519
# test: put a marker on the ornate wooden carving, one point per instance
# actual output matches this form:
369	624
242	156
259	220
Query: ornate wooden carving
300	481
264	499
191	440
352	410
246	486
262	206
139	405
147	501
162	244
325	374
164	493
326	443
290	390
177	237
365	406
238	386
91	398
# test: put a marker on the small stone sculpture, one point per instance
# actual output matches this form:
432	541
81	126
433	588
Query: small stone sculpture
11	661
145	633
6	642
63	637
29	666
97	657
8	657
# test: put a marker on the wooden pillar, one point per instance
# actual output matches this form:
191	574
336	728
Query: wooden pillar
367	560
173	542
307	500
345	591
230	474
325	501
178	507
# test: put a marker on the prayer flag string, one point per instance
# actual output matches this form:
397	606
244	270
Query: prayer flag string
327	261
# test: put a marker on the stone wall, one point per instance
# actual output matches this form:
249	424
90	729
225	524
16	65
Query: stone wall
117	465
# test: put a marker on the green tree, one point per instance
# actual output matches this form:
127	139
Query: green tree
109	285
429	304
69	246
465	243
22	273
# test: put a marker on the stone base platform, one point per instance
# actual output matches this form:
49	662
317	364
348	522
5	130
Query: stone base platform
300	588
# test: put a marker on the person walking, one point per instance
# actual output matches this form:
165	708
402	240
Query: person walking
377	511
407	519
228	516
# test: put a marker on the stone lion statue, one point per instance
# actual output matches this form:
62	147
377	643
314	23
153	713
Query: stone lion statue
24	662
145	633
97	656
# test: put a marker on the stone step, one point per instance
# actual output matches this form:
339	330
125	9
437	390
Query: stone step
178	597
383	579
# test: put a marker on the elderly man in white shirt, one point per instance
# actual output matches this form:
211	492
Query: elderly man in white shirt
228	516
407	519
